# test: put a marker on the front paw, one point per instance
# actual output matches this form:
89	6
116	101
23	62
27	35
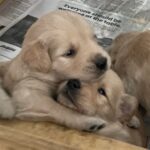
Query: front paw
134	123
94	124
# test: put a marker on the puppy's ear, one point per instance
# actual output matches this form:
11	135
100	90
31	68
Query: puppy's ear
36	56
126	107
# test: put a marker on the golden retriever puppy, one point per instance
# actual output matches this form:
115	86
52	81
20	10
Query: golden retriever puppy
104	98
59	46
130	54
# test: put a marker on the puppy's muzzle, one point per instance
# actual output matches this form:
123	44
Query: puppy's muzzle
71	89
73	84
101	63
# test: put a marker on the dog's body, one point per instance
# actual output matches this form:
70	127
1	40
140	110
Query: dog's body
57	47
130	54
104	98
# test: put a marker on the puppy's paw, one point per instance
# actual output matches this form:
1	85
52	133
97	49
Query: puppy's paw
7	109
94	124
134	123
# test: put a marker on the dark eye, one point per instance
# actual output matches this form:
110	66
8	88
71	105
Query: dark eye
70	53
102	91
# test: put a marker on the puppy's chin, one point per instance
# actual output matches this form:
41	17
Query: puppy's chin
67	99
87	76
93	76
92	73
63	99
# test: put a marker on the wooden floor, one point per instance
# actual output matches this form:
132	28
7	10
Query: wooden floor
19	135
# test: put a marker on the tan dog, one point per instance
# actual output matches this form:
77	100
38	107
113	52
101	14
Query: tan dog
106	99
57	47
130	54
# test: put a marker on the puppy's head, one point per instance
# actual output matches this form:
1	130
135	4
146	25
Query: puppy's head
119	46
63	43
104	98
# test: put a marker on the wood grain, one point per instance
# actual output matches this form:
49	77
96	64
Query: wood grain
21	135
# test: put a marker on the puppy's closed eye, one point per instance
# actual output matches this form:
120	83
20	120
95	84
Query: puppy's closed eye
70	53
102	91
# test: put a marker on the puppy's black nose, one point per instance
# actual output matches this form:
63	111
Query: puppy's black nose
101	63
74	84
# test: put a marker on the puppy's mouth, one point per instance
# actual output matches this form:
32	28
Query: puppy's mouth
68	95
99	73
98	66
95	73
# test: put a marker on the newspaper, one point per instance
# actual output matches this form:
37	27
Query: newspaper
108	18
111	17
12	11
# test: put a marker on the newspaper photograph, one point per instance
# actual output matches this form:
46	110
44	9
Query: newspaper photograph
14	22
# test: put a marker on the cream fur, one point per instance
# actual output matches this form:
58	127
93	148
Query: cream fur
117	107
130	54
32	77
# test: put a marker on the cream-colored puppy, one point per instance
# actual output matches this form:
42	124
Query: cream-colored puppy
130	54
59	46
104	98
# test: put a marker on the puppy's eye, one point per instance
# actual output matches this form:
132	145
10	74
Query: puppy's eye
70	53
102	91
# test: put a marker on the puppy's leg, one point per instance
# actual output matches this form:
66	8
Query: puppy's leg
7	108
117	131
134	122
33	104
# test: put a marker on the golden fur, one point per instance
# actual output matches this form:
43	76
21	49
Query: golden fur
104	98
45	60
130	54
7	107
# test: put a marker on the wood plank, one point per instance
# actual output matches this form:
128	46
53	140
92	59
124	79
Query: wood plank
21	135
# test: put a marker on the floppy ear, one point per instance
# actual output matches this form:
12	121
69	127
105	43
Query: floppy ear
126	107
36	56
